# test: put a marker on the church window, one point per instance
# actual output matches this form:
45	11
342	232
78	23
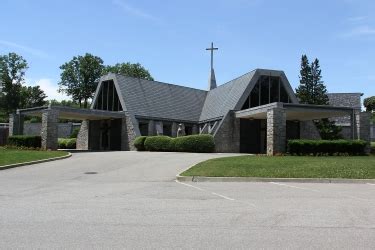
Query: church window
268	89
107	98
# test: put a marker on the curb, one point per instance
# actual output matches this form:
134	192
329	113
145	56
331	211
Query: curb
34	162
259	179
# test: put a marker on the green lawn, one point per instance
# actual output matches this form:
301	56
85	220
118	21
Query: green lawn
356	167
11	156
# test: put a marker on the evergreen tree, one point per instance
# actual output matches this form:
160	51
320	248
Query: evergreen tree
318	89
303	91
313	91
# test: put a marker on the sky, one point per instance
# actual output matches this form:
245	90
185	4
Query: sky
169	38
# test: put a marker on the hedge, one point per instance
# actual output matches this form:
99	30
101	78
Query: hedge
327	147
190	143
195	143
67	143
139	143
28	141
158	143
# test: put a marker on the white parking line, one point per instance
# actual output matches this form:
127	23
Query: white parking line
372	184
188	185
291	186
222	196
216	194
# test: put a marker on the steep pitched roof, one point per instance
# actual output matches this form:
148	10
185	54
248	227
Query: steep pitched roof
153	99
160	100
225	97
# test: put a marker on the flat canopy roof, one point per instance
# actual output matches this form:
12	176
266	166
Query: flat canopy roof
74	113
301	112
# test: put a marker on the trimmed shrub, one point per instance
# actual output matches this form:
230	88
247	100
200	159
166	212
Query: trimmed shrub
74	133
190	143
67	143
28	141
158	143
327	147
195	143
139	143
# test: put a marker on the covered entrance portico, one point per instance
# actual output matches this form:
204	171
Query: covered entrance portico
266	128
100	129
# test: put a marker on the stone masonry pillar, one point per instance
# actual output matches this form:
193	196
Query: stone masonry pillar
151	127
83	136
276	131
128	134
15	124
365	129
49	131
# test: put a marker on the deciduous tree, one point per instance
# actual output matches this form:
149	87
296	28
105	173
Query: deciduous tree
80	77
12	76
129	69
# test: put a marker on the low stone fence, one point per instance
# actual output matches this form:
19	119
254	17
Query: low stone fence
372	132
64	129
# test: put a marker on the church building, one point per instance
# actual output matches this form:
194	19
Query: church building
253	113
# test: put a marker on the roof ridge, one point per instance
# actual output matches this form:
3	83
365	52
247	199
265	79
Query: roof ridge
235	78
159	82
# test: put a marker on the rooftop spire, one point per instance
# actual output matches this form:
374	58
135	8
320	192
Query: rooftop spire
212	79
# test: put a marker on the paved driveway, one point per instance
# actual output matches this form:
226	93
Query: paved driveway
134	202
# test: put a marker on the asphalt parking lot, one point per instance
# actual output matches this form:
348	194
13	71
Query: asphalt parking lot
131	200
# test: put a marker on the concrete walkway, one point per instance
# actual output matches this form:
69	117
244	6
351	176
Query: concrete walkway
133	201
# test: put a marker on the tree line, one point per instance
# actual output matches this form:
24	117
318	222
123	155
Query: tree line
78	79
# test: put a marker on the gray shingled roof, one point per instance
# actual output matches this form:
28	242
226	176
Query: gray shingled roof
151	99
161	100
225	97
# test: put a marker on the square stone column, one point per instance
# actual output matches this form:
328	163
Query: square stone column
151	127
83	136
128	134
16	124
355	124
365	129
276	131
49	131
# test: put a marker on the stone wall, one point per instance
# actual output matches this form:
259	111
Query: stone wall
365	127
83	136
128	133
309	131
49	130
372	132
64	129
346	132
276	131
227	137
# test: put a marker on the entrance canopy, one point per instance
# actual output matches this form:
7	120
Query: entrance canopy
300	112
74	113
